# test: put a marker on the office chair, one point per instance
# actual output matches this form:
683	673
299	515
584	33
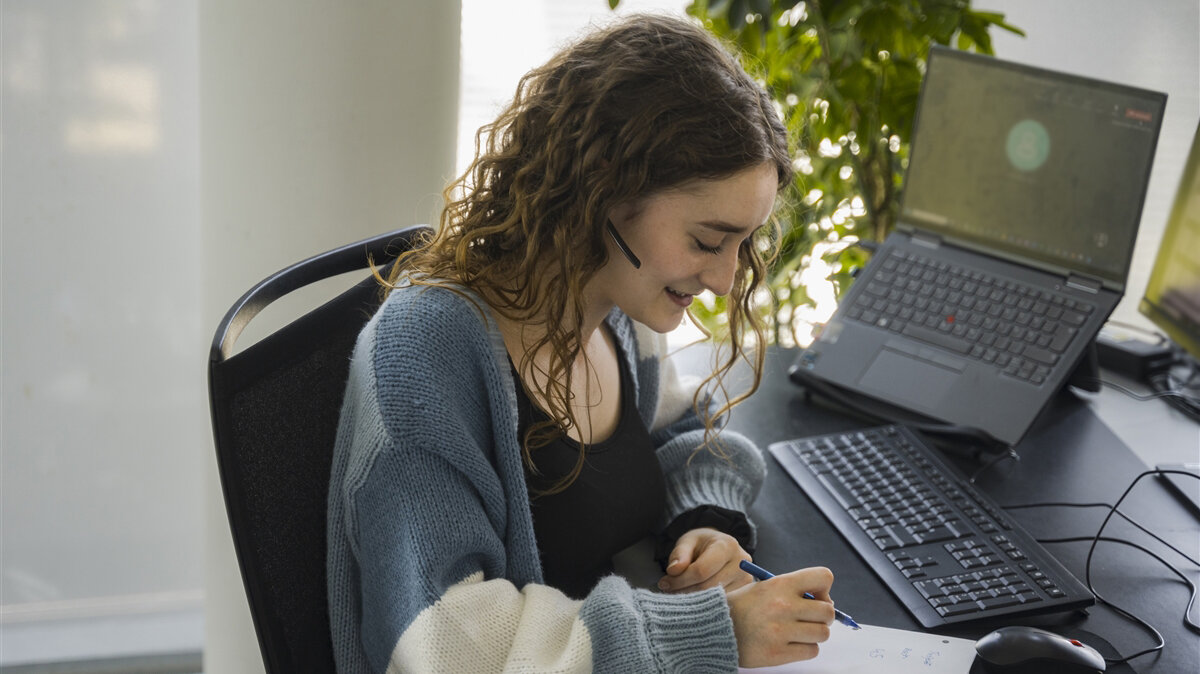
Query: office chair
275	408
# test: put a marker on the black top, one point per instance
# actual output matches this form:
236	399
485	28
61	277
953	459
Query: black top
616	500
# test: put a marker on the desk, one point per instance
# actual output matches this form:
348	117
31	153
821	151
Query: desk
1070	455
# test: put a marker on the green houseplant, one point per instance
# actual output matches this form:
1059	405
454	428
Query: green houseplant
846	75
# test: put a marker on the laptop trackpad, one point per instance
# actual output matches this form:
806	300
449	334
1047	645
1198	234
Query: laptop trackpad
912	380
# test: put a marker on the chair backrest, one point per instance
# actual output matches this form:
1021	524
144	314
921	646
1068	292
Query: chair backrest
275	408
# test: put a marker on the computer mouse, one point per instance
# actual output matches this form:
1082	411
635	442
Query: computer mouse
1030	650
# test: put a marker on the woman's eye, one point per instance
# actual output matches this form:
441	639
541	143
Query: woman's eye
712	250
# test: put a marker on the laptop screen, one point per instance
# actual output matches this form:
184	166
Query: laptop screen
1032	165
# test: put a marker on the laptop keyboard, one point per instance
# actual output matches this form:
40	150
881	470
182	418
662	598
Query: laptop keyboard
942	546
1020	329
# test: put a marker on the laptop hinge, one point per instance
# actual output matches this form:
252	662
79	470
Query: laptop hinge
1084	283
928	240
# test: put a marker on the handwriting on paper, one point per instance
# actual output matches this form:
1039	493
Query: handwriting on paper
883	650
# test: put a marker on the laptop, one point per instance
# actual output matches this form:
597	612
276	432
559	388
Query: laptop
1021	204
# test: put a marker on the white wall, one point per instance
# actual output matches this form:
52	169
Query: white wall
319	126
103	435
159	157
501	41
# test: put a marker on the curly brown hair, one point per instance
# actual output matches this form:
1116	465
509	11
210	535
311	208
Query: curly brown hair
646	104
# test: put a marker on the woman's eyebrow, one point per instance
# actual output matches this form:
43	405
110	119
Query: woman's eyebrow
727	228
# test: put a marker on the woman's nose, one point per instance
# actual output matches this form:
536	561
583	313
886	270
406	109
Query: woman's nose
718	277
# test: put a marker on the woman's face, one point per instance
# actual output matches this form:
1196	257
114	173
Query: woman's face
687	240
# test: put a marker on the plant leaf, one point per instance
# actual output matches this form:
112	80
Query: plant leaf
848	75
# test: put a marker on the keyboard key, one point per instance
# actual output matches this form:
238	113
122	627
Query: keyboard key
1039	354
1072	317
997	602
937	338
844	496
1062	338
957	609
937	534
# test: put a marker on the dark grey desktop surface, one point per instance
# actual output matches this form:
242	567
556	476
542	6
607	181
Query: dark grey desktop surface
1070	455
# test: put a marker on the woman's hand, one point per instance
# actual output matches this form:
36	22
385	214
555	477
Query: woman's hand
704	558
774	623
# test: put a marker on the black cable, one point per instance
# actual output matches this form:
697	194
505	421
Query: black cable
1163	388
1114	509
1117	505
1189	366
1158	637
1141	397
1193	374
1189	401
1173	395
1010	454
1087	567
1164	385
1187	615
1127	518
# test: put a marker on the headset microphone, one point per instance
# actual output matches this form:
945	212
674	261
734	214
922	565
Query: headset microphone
633	259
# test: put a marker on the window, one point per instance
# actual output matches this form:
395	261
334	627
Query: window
501	41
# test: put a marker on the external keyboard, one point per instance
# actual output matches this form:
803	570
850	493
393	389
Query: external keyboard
946	550
1020	329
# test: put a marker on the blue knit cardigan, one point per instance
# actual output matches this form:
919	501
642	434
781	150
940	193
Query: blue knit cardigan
432	560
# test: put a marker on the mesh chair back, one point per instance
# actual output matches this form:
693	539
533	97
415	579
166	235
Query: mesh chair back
275	409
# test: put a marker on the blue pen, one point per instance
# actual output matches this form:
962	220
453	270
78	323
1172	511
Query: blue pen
762	574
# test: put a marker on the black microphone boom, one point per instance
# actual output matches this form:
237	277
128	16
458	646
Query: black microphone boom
633	259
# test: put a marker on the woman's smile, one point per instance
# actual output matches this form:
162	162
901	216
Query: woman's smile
687	240
682	299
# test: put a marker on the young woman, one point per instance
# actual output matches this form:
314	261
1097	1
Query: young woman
511	421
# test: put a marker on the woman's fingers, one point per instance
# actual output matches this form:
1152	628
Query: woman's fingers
705	558
775	623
